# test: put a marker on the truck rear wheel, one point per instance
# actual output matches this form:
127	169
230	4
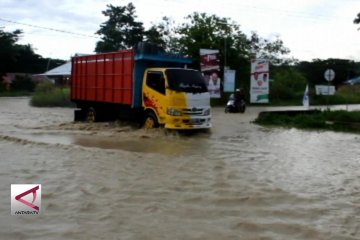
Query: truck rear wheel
91	115
151	121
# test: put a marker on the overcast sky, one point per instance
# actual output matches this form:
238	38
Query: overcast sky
309	28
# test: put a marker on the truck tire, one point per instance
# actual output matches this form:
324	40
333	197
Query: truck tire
91	115
151	121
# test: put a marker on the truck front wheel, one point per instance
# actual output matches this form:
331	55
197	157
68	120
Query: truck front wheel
151	121
91	115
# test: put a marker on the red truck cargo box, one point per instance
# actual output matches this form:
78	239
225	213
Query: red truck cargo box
106	77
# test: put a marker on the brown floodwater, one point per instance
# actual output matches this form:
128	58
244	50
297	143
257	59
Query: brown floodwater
113	181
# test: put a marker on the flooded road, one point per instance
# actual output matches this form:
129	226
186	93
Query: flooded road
112	181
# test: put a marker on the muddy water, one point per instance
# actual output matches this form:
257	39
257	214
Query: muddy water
242	181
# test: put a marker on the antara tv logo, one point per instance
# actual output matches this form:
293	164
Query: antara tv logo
25	199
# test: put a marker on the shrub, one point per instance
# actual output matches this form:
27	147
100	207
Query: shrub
287	84
45	87
344	95
47	95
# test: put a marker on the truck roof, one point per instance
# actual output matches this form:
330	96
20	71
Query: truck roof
162	68
163	57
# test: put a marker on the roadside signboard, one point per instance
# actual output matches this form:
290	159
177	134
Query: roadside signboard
229	80
325	90
329	75
259	81
210	68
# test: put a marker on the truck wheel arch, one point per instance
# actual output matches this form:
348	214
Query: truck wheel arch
91	114
150	114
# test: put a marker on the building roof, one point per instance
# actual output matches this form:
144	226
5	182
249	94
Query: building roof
62	70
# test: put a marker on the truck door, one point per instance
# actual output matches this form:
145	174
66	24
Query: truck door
154	94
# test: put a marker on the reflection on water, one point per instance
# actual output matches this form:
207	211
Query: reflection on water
242	181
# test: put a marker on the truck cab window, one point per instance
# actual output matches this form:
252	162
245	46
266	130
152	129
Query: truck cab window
156	81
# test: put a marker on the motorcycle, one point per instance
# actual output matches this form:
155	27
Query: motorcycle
233	106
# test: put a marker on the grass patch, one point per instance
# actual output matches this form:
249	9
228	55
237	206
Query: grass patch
327	120
344	95
15	93
47	95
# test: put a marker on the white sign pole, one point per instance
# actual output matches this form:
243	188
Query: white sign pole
329	75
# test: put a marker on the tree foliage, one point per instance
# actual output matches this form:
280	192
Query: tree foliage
344	70
201	30
236	49
288	82
357	19
163	34
8	50
121	30
266	49
213	32
17	58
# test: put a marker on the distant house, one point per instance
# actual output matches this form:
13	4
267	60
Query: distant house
7	80
60	75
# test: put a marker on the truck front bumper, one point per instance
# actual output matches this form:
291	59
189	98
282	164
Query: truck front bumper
199	122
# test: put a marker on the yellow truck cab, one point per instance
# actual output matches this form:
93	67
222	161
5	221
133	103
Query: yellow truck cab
176	98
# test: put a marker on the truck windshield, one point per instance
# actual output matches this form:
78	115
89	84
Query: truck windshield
184	80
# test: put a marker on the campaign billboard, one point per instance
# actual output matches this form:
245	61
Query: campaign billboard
210	67
259	81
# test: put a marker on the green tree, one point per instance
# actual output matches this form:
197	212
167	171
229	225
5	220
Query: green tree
210	31
18	58
288	83
357	20
344	70
155	35
163	34
121	30
8	50
271	50
204	31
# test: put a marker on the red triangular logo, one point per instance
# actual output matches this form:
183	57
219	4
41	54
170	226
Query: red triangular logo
33	191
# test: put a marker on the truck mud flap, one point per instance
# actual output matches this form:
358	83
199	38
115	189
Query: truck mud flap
79	115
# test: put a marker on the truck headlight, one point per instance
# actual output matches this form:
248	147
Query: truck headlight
173	112
207	112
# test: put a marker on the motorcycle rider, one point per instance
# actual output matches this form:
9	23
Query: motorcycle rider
239	97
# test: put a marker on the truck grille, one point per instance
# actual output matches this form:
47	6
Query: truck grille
193	111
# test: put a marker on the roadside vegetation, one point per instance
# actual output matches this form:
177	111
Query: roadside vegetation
339	120
346	94
47	95
14	93
20	86
282	95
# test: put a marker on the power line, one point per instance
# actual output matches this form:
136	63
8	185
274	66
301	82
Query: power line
47	28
